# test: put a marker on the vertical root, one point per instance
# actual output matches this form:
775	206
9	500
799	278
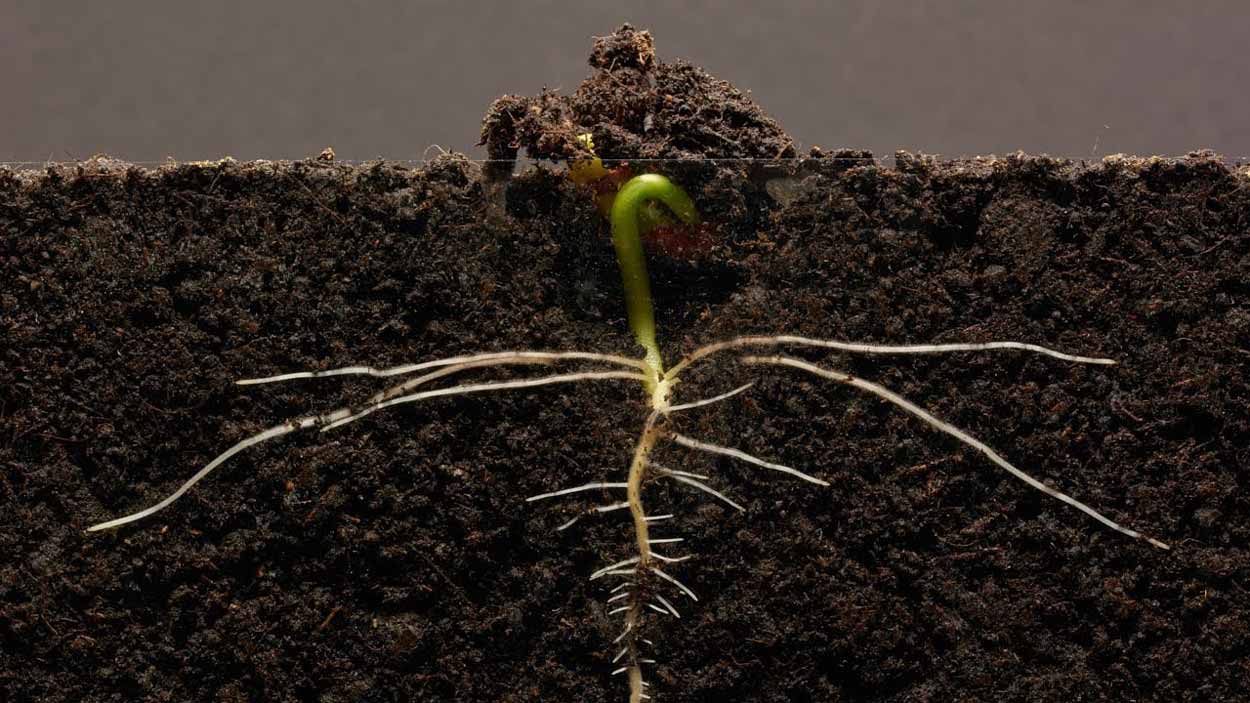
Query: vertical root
651	431
633	491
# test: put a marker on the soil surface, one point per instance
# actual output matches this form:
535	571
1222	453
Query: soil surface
397	560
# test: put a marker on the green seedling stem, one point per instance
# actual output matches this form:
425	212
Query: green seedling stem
627	238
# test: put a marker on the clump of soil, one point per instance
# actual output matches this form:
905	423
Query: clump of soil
636	107
396	559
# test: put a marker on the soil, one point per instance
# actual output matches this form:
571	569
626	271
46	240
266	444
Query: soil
397	560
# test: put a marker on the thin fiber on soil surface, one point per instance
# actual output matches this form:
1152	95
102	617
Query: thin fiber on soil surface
397	560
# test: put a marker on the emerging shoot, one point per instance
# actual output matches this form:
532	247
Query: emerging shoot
626	237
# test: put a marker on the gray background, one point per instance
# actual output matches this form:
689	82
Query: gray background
146	81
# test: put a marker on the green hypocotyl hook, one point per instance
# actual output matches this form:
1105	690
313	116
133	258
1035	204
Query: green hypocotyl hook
626	236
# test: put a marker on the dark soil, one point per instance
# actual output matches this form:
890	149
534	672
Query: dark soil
636	108
396	559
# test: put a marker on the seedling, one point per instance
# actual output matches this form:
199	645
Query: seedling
647	582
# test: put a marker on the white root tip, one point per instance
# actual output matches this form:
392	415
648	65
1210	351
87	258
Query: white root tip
708	490
276	431
657	609
668	605
681	586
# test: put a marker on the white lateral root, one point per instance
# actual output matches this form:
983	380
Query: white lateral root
666	604
575	489
656	570
892	397
344	415
688	442
498	357
613	568
597	509
706	489
713	399
665	470
485	387
255	439
853	347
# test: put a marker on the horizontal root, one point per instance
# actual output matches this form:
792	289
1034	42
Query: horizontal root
709	401
342	416
575	489
486	387
497	357
858	348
